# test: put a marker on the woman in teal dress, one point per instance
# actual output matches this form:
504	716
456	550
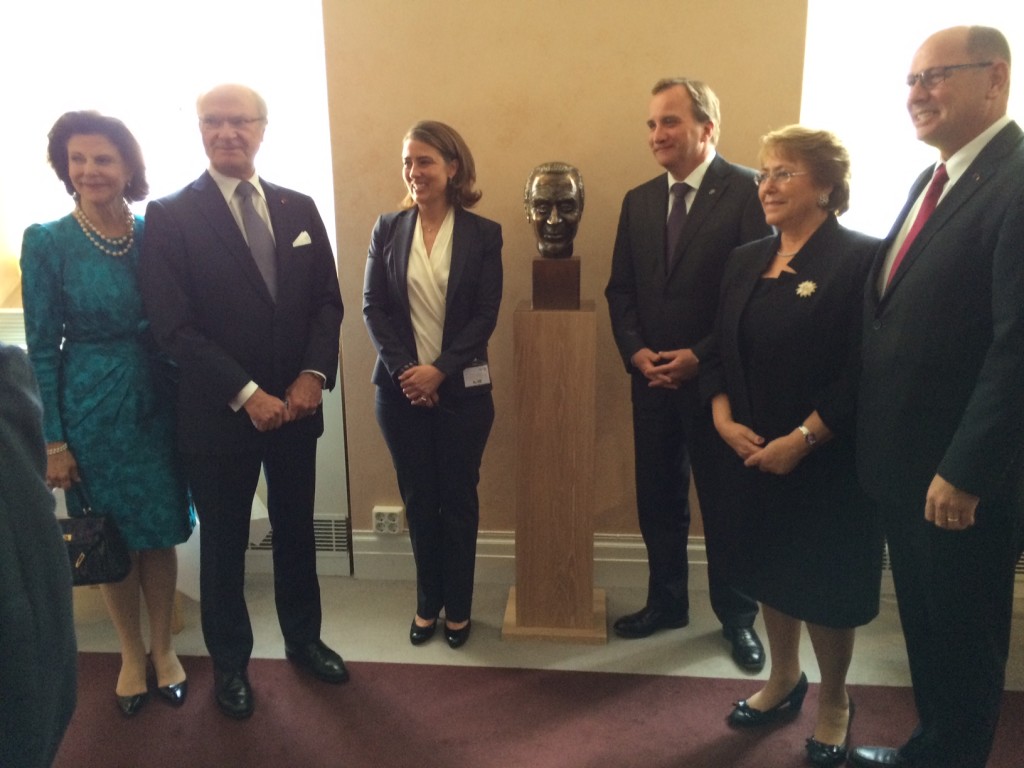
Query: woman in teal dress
107	395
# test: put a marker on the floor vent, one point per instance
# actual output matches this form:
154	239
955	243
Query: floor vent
333	534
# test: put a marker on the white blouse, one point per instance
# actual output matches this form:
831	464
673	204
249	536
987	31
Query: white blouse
427	282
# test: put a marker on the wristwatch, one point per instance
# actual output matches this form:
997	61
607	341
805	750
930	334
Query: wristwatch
809	437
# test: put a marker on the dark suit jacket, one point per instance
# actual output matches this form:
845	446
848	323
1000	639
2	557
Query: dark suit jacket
942	389
38	661
211	311
815	352
676	311
471	304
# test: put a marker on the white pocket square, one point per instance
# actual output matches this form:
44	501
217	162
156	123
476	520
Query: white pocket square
302	239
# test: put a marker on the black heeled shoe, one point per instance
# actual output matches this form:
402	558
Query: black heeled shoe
419	635
457	637
744	715
830	755
129	705
174	693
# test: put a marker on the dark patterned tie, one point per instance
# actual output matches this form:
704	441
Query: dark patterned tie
931	199
261	242
676	220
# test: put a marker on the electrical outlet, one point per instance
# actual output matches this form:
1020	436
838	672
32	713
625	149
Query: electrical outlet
387	520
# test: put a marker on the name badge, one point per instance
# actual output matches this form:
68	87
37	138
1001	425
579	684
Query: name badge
476	376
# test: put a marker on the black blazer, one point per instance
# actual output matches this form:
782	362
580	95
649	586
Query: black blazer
823	332
942	389
211	311
471	304
677	311
38	662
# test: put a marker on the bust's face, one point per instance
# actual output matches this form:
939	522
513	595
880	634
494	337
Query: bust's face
553	208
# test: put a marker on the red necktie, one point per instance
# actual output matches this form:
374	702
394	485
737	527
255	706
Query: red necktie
931	199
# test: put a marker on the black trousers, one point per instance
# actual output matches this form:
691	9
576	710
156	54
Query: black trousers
955	596
437	453
671	434
223	486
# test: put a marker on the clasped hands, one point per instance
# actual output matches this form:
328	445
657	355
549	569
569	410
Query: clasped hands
778	457
301	399
420	383
666	369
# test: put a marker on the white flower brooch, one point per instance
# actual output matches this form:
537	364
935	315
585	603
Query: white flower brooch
806	288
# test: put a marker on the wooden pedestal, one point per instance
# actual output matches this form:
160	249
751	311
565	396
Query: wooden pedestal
555	370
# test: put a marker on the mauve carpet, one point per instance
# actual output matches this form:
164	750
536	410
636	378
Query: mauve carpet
430	716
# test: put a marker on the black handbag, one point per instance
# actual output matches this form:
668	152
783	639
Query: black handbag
96	548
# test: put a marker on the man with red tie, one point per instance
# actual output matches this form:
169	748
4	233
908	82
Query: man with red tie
940	441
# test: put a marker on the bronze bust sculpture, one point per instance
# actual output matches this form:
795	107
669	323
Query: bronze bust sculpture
553	200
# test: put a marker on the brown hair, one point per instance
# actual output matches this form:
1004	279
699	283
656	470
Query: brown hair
447	141
706	108
827	159
90	123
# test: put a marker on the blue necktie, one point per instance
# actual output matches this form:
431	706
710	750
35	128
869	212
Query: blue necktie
257	233
676	220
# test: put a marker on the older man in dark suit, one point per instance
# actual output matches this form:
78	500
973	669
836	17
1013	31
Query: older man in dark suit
37	635
241	288
941	412
674	234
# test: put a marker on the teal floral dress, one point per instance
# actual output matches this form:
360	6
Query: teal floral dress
105	389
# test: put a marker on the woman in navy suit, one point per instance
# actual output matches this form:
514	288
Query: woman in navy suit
430	302
778	379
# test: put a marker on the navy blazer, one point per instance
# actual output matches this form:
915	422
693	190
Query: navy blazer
943	350
650	308
471	303
210	309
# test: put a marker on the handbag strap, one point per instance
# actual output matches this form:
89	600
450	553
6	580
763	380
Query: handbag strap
83	498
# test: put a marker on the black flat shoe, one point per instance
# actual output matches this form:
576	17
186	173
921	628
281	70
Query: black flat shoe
647	621
747	650
829	755
318	659
419	635
129	705
174	693
233	694
457	637
744	715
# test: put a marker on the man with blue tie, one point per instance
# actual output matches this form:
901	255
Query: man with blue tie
241	289
674	234
940	436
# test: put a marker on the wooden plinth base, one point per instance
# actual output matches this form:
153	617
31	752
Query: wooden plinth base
597	634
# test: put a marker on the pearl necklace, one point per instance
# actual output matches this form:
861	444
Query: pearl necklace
112	246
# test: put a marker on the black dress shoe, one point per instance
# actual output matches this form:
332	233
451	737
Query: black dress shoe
419	635
872	757
647	621
233	694
324	663
457	637
744	715
830	755
174	693
747	650
129	705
